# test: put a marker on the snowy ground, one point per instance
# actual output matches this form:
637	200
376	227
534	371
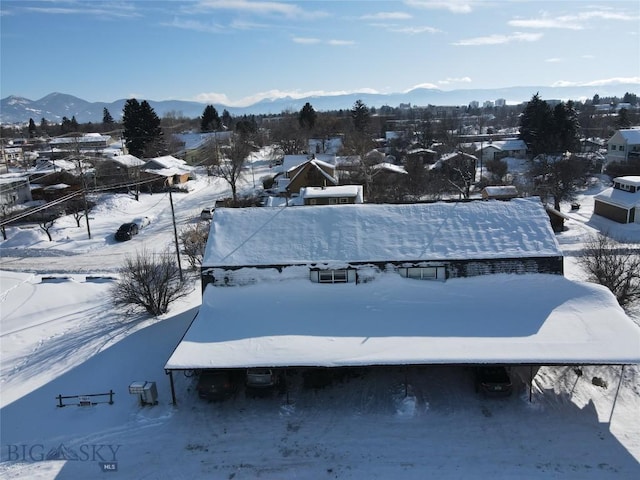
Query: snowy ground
60	336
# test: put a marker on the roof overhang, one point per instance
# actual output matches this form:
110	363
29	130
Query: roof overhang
517	319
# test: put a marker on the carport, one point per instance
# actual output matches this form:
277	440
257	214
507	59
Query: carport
527	320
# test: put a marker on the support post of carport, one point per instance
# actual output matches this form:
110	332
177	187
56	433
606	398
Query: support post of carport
173	390
530	383
615	399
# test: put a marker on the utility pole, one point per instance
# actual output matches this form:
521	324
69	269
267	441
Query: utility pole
175	233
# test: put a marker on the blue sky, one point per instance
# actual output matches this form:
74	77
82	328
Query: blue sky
236	52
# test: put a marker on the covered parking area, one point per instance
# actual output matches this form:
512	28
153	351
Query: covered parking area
519	320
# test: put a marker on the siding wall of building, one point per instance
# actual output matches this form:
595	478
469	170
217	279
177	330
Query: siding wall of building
612	212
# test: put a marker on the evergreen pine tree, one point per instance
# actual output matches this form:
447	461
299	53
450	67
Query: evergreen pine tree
535	126
142	132
32	128
360	116
107	119
307	117
210	120
227	121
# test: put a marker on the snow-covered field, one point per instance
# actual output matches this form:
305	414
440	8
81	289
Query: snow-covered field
60	336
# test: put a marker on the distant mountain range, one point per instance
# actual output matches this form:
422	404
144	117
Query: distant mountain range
55	106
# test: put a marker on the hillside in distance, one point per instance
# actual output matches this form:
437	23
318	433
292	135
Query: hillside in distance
55	106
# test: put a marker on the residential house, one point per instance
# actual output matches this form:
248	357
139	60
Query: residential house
312	172
498	149
371	285
499	192
168	171
331	195
11	155
87	143
15	189
441	239
118	169
624	145
621	202
424	156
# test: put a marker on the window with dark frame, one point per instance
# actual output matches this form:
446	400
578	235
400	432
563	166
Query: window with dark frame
333	276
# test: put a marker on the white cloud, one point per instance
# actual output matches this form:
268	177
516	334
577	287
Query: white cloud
306	40
341	43
597	83
195	25
410	30
421	85
316	41
553	60
578	21
451	80
500	39
546	23
96	9
454	6
273	94
387	16
286	9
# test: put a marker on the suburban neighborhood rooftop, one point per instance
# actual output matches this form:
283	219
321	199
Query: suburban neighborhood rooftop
380	233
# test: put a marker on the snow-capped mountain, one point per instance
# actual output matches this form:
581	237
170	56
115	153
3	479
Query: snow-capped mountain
55	106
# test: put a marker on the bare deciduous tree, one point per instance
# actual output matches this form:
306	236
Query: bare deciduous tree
46	220
194	242
613	265
149	281
234	157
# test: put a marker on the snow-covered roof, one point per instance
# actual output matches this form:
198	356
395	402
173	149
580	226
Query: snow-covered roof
316	162
88	138
128	160
290	162
501	190
633	180
46	165
544	319
631	135
360	233
320	167
389	167
449	156
166	161
620	198
331	191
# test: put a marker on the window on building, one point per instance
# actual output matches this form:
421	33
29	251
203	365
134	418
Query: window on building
333	201
423	273
344	200
332	276
435	272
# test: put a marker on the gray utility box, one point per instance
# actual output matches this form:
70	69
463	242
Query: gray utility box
146	390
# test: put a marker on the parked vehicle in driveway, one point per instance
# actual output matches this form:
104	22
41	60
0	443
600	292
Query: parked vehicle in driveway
207	213
216	385
126	232
260	382
493	380
141	222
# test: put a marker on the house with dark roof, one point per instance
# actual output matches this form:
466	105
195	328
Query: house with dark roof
311	172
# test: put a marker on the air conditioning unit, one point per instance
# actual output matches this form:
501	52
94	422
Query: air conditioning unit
146	390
